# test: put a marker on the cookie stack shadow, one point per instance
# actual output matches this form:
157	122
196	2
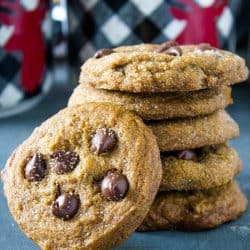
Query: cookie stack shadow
181	93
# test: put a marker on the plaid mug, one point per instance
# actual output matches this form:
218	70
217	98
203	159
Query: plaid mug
24	77
96	24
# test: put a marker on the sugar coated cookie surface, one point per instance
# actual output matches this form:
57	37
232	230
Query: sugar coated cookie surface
195	210
163	68
84	179
158	106
199	169
196	132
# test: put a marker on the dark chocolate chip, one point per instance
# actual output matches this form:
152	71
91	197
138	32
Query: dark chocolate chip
103	141
35	169
170	48
65	206
64	161
188	155
174	51
103	52
204	46
114	186
165	46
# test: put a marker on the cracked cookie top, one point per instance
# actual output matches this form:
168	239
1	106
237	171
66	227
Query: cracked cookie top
163	68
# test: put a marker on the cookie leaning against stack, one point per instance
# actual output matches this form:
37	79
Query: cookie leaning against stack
180	92
84	179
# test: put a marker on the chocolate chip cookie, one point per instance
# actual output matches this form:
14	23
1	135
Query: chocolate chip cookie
189	133
195	210
158	106
84	179
199	169
163	68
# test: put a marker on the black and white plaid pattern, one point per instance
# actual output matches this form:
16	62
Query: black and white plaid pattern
96	24
10	91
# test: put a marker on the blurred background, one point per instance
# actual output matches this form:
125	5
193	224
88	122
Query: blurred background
43	43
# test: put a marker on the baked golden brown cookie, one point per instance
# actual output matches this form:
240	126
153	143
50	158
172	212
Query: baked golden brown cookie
199	169
158	106
189	133
84	179
195	210
157	68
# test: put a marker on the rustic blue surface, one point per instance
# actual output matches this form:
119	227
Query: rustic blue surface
235	235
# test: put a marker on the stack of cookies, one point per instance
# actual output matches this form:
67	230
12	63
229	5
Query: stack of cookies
180	92
93	173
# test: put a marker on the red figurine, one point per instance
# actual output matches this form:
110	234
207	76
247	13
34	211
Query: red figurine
200	17
23	34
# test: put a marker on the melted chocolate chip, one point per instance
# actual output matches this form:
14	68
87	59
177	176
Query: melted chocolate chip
103	52
165	46
188	155
170	48
35	169
114	186
204	46
64	161
174	51
65	206
103	141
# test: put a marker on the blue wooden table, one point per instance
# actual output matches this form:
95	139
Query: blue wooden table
232	236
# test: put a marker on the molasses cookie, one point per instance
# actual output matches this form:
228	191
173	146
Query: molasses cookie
189	133
199	169
84	179
195	210
163	68
158	106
